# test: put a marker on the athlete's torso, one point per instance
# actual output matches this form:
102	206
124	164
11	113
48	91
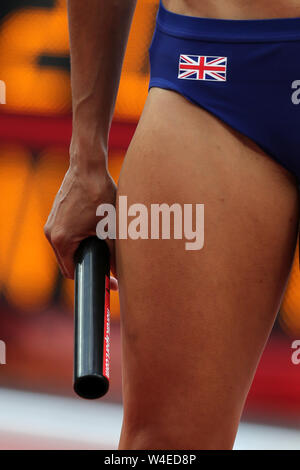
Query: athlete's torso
235	9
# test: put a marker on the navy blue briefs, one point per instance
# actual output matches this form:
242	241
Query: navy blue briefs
245	72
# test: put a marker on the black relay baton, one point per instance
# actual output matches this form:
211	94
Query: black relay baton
92	319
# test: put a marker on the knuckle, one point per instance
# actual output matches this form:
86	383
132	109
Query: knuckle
58	238
47	231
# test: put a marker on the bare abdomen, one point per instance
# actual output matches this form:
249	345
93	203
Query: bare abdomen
235	9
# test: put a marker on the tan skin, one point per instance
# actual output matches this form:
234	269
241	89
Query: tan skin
235	9
193	324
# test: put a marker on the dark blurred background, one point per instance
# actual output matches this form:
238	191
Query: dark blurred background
36	303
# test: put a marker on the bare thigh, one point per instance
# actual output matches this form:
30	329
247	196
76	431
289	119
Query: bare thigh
194	323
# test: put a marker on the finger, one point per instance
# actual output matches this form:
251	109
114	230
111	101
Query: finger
111	245
66	268
114	283
56	253
66	260
69	267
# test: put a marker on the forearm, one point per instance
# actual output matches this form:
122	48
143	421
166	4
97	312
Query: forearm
98	37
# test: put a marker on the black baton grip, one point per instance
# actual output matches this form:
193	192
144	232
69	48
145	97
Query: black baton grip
92	319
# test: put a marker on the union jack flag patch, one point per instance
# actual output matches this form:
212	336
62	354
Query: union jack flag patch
199	67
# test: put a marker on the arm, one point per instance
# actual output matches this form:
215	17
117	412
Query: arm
99	32
98	37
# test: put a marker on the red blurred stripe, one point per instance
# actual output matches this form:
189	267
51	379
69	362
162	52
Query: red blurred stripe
38	132
276	386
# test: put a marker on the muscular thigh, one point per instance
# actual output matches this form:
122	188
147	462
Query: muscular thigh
194	323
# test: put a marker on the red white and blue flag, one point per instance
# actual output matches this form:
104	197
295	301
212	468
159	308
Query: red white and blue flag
199	67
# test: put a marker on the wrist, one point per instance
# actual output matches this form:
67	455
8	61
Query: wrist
89	123
92	183
87	155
